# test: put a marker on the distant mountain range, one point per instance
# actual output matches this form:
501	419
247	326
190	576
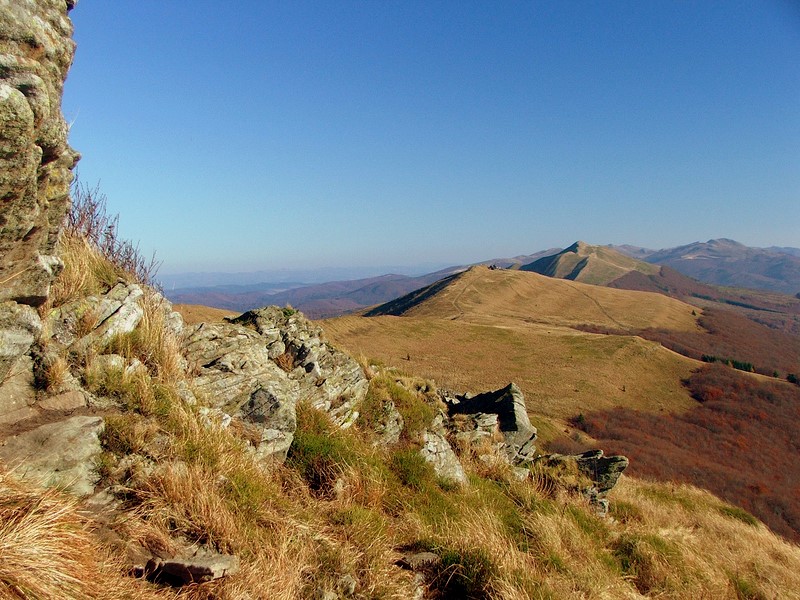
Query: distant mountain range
675	271
329	299
729	263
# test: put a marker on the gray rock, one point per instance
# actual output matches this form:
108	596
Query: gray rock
238	372
115	313
57	454
19	328
416	561
196	569
603	471
390	426
17	394
35	160
438	452
508	404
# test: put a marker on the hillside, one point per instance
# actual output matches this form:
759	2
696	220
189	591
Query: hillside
481	326
598	265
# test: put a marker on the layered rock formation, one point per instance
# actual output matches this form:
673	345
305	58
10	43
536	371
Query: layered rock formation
257	367
36	50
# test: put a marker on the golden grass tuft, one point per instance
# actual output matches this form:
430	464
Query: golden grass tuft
86	271
48	550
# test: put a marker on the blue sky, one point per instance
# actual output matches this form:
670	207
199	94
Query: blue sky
247	135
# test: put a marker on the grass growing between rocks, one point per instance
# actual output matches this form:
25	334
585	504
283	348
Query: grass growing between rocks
342	510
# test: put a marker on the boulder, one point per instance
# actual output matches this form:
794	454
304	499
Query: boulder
57	454
508	404
116	312
602	471
258	366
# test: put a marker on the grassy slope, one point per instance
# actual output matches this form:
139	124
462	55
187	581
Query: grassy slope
489	327
197	313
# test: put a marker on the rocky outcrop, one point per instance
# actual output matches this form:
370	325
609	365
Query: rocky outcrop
502	411
36	51
602	472
258	366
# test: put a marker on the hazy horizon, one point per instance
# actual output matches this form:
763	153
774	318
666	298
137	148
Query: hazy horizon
313	135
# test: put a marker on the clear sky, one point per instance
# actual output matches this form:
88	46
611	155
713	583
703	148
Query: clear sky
252	134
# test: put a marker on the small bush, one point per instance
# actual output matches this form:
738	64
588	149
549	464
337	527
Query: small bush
412	469
319	453
464	574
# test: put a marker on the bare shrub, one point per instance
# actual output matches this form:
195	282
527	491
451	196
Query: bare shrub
89	219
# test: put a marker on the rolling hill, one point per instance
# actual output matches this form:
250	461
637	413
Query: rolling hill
485	327
582	262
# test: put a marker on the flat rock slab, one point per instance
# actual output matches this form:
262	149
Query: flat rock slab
57	454
66	401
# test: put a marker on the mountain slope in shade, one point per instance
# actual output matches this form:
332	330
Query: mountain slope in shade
729	263
598	265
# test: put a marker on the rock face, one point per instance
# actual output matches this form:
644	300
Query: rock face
258	366
36	51
438	452
502	410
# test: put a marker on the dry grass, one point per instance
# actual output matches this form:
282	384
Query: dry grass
86	272
561	371
153	342
48	550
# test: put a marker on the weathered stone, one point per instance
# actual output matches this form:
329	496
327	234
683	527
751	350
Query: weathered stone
116	312
416	561
238	372
57	454
390	426
602	471
17	393
508	404
438	452
71	400
19	327
346	586
196	569
329	379
36	51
